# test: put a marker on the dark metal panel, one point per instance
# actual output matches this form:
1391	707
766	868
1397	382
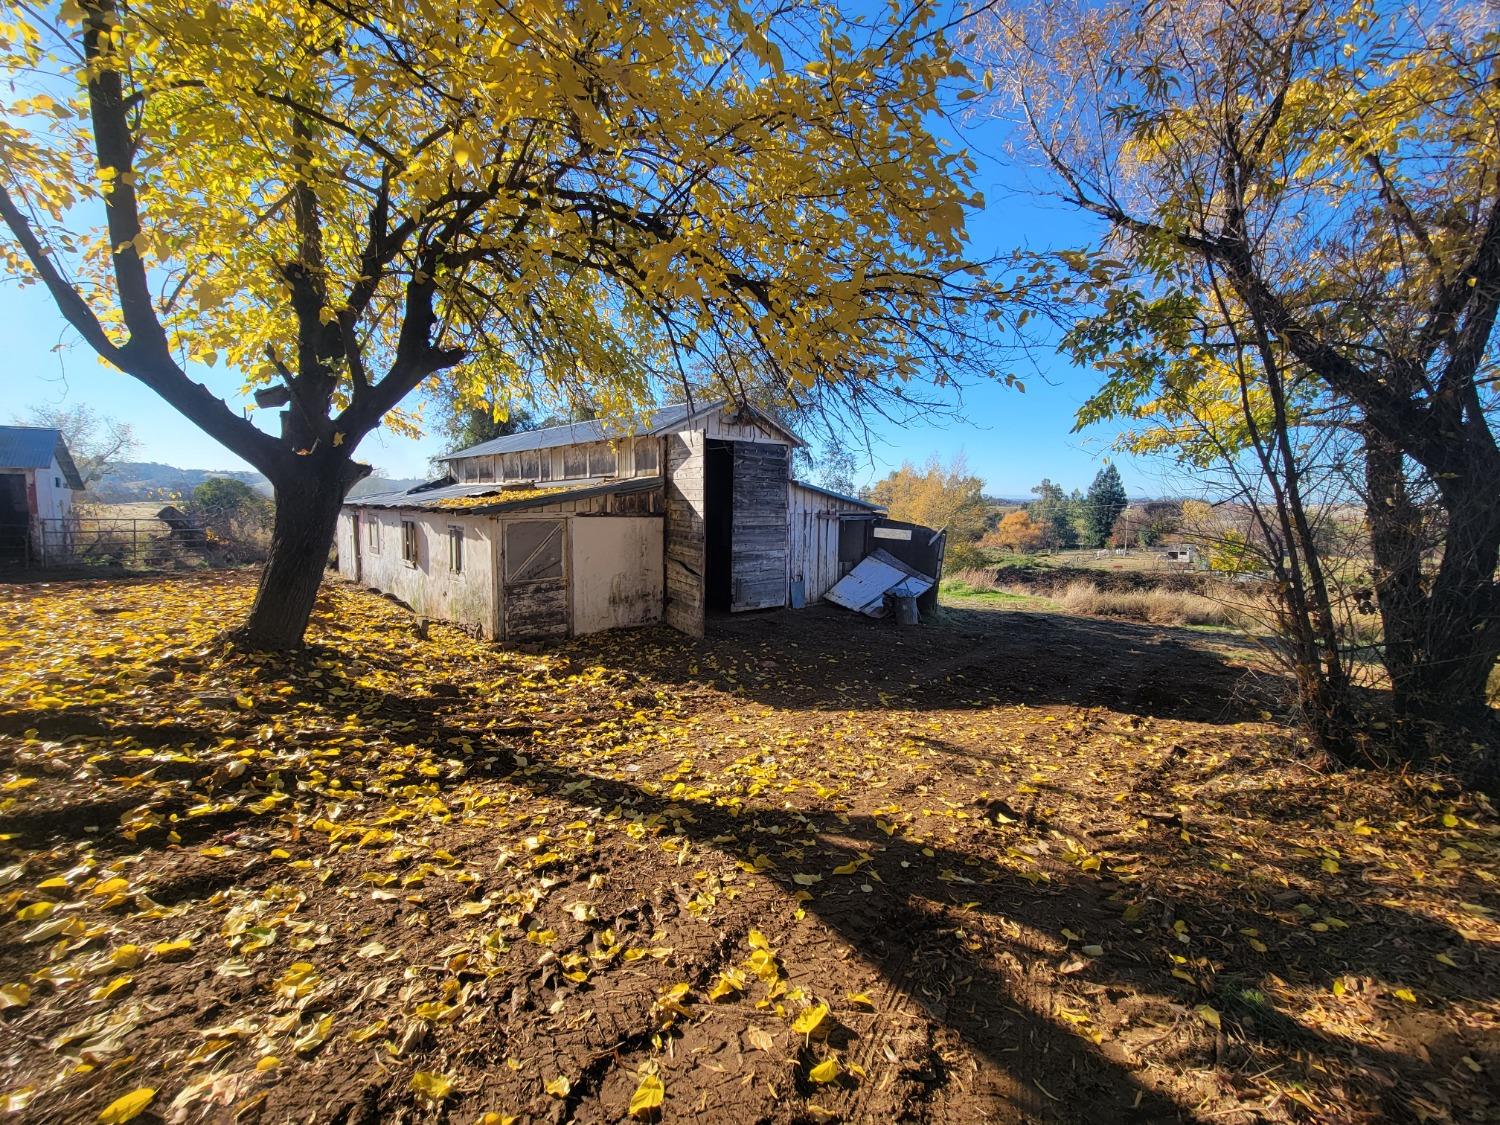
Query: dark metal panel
920	548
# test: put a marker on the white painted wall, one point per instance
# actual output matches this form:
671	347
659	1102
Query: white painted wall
54	499
428	585
718	425
343	543
616	571
813	538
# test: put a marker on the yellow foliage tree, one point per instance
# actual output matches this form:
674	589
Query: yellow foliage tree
342	201
938	496
1303	235
1016	531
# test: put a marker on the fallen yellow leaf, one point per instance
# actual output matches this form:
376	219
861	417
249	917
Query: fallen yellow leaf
431	1085
810	1019
825	1071
128	1106
647	1098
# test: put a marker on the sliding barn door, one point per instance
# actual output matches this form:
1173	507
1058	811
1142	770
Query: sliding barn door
758	553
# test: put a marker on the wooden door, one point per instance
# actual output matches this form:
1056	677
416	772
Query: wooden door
758	567
535	573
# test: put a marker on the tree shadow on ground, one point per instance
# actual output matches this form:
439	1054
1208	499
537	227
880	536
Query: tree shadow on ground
1045	1066
827	658
1042	1064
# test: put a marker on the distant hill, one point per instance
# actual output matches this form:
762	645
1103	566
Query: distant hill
150	480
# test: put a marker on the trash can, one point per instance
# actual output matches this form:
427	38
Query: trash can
906	610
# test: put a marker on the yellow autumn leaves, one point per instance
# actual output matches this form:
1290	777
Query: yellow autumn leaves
492	880
802	212
127	1106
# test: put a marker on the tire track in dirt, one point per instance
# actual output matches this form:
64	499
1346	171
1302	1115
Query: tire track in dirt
892	1004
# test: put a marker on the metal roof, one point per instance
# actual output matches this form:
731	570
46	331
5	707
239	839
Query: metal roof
658	421
33	447
426	498
855	500
661	420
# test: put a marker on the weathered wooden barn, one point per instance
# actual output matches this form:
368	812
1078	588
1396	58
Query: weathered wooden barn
577	528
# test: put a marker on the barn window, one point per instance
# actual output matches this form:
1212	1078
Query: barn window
510	467
456	549
372	533
645	455
480	469
530	470
533	550
575	462
409	542
602	459
546	465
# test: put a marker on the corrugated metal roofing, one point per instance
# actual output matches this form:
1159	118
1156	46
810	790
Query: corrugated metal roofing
33	447
855	500
424	498
27	447
658	421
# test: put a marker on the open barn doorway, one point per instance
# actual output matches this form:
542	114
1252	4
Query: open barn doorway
15	518
718	524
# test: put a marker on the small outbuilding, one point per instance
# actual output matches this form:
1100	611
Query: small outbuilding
38	480
587	526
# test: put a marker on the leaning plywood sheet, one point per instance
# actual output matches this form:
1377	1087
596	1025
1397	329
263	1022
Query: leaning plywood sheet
864	588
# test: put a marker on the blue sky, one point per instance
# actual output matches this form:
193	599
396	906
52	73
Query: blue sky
1010	439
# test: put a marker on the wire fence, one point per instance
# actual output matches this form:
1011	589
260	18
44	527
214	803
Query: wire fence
132	544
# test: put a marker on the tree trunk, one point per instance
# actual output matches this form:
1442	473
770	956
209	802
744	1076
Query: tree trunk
1463	638
307	514
1441	629
1396	548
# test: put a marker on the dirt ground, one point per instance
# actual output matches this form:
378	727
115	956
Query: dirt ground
1010	866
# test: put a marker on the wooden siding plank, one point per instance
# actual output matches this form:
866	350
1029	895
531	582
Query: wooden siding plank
813	532
684	502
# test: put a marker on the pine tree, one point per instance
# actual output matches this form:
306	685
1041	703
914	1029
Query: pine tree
1103	505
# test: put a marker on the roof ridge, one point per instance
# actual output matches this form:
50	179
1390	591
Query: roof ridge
650	415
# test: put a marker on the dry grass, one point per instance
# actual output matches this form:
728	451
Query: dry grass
1159	607
1156	606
